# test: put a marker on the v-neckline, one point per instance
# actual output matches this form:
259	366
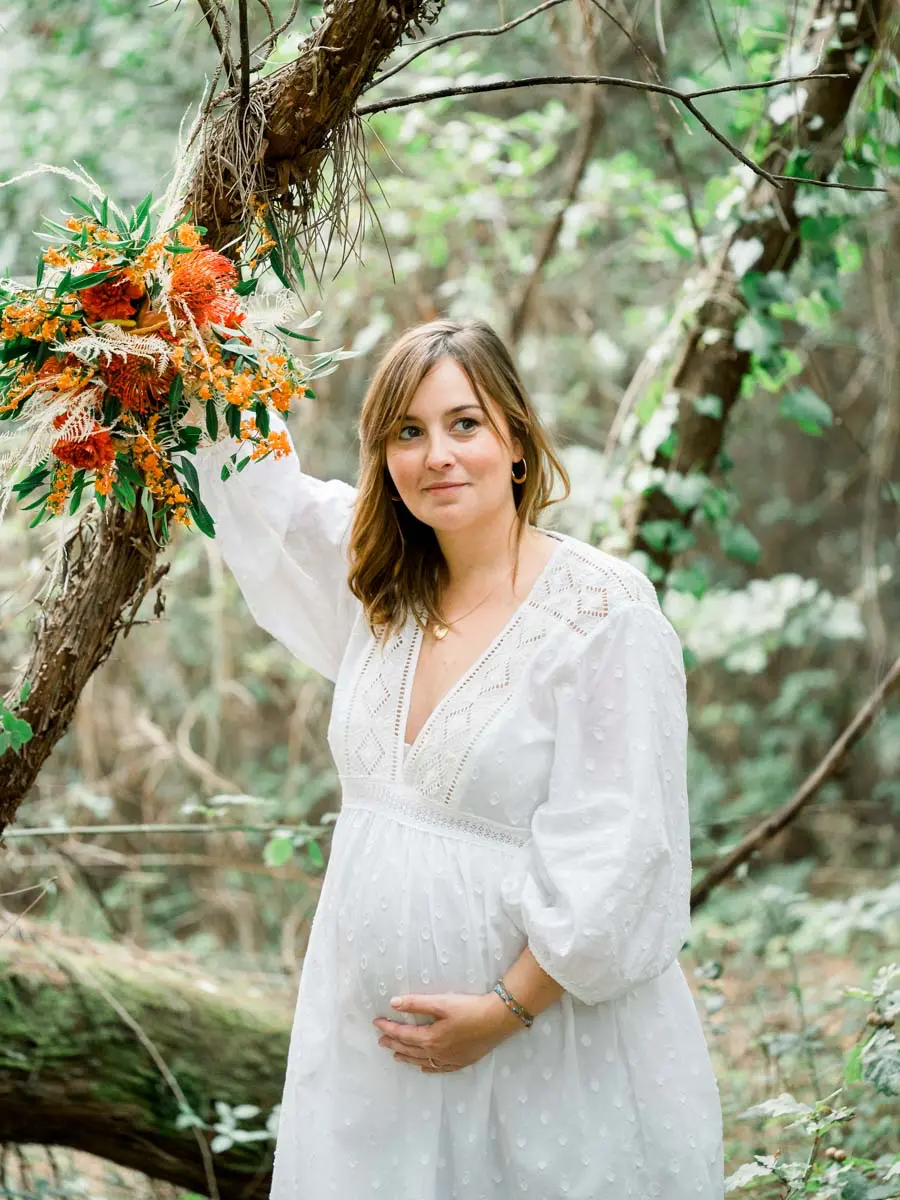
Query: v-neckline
408	749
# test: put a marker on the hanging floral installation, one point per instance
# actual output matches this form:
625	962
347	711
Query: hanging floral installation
129	345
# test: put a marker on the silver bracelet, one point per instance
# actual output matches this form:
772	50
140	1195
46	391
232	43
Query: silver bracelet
513	1005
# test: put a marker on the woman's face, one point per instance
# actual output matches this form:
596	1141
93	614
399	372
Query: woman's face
443	439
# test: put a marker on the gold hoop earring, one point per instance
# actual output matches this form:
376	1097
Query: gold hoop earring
524	472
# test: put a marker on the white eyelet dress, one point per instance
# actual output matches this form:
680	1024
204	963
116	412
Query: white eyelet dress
544	804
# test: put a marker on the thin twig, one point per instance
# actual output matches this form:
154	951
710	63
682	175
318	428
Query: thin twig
778	820
244	35
88	830
206	7
640	85
432	43
268	42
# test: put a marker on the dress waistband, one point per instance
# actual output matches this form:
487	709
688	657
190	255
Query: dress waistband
404	804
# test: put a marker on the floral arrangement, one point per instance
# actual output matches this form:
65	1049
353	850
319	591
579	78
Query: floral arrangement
127	340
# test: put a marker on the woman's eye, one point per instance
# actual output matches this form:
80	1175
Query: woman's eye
472	421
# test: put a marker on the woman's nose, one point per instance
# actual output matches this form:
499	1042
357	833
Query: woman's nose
438	453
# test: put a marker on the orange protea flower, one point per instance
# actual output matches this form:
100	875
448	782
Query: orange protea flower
136	381
93	452
112	300
200	281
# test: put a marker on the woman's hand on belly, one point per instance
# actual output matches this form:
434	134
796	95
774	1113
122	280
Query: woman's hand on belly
465	1029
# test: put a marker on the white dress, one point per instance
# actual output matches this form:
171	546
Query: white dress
542	803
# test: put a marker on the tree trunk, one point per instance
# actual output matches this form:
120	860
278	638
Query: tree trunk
116	564
75	1072
715	366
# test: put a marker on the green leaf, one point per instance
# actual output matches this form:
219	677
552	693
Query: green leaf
709	405
757	334
262	418
314	850
85	208
853	1065
202	517
738	542
147	505
303	337
104	211
176	391
34	503
279	850
32	480
672	241
25	692
189	472
233	420
806	409
245	462
174	248
142	210
124	493
40	271
278	267
694	580
91	279
127	470
212	419
37	520
78	485
666	535
190	438
246	287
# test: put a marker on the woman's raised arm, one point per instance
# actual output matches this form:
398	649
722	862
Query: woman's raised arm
283	535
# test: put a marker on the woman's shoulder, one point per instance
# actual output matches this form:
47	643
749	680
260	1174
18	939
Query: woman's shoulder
590	585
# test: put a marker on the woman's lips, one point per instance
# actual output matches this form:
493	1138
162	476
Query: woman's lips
444	487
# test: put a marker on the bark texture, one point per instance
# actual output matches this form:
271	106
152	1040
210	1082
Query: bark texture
707	365
116	555
74	1073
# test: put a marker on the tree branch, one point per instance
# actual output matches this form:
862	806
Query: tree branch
685	98
778	820
717	365
137	1037
432	43
207	8
244	36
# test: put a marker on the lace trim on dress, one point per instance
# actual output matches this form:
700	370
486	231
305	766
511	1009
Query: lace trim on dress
404	804
579	587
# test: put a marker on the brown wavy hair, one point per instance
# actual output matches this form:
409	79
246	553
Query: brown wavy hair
397	567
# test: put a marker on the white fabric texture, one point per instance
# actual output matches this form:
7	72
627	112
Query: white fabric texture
543	803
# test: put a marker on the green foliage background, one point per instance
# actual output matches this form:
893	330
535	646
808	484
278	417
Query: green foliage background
786	598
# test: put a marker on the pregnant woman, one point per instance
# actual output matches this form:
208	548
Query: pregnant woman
491	1004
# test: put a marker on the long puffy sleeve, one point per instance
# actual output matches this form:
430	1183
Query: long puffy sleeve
282	534
602	888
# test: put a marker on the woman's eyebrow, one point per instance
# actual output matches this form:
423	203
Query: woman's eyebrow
447	412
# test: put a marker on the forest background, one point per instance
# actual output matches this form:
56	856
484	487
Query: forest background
582	222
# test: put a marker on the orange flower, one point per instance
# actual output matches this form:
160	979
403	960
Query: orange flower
200	281
112	300
93	452
136	382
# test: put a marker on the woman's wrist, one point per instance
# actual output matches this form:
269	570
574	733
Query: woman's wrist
502	1021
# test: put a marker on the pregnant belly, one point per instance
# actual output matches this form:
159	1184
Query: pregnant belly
414	912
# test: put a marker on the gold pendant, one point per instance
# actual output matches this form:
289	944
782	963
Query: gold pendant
440	632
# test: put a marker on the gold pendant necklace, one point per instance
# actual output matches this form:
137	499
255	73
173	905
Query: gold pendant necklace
439	631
